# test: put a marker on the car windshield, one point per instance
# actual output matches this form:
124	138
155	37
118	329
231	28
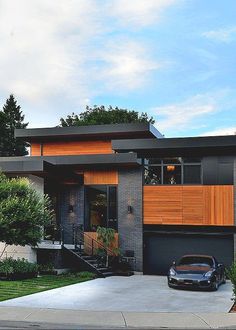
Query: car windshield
196	261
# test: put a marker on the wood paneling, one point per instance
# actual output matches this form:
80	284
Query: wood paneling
161	206
100	177
189	205
89	236
76	148
193	205
35	149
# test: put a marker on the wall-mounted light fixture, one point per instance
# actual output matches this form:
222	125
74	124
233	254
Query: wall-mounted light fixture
130	209
70	209
170	168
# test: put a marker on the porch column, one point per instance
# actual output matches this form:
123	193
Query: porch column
130	222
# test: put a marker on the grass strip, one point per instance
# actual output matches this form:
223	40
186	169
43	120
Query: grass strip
14	289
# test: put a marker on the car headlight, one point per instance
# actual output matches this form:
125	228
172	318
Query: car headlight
208	274
172	272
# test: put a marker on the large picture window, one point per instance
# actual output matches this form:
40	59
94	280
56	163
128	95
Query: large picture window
174	170
101	207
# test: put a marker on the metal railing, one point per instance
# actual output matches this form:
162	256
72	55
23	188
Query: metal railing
76	237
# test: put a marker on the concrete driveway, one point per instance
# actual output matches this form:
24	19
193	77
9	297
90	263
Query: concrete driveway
128	294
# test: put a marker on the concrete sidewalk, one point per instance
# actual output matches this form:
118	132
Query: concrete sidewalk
72	318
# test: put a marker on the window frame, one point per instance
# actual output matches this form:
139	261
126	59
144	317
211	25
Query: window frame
162	164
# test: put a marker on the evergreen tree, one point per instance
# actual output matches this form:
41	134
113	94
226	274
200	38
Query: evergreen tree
3	132
98	115
13	117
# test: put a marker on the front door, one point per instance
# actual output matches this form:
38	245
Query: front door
100	207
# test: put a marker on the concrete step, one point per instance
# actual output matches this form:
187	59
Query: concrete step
107	274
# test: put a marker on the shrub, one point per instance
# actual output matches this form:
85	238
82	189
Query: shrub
86	275
231	273
17	268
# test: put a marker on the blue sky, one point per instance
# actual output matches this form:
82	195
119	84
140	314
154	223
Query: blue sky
175	59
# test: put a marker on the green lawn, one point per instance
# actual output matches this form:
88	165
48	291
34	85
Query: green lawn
14	289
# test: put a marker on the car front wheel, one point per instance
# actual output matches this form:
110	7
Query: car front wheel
215	285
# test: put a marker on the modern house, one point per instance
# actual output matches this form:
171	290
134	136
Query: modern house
165	197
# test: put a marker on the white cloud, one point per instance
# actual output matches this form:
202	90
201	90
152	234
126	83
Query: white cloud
221	131
225	35
39	43
72	50
126	65
179	116
138	13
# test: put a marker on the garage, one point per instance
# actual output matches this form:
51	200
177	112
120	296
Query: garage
161	249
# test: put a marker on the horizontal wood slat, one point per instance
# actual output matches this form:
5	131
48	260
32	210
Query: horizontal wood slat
100	177
35	149
189	205
89	236
74	148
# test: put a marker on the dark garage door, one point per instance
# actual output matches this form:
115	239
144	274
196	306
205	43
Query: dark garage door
161	249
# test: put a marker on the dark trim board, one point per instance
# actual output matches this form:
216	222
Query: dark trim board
188	229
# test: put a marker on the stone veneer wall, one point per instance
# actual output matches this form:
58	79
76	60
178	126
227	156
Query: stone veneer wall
130	226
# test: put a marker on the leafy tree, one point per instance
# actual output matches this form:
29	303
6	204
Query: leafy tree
23	212
11	118
100	115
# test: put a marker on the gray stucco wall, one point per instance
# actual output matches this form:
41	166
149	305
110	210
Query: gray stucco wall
130	226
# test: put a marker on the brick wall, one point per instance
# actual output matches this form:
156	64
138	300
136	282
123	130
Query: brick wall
71	195
130	226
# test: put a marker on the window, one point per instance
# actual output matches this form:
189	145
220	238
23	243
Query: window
152	175
101	207
172	174
174	170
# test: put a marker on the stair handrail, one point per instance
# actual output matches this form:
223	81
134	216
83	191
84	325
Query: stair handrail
99	243
77	234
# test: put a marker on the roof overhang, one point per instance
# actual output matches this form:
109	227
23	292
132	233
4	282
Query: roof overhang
203	145
135	130
40	164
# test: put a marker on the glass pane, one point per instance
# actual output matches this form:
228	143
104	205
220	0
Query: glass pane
192	174
150	161
152	175
112	210
175	160
172	174
192	160
97	207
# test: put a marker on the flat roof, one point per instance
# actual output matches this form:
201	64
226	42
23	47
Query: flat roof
133	130
33	164
185	143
